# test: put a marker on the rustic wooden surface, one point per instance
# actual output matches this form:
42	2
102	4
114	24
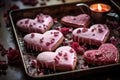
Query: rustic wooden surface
16	71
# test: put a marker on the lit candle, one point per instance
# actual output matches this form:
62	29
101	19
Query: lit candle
100	7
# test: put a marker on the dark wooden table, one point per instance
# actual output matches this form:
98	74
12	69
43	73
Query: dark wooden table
16	71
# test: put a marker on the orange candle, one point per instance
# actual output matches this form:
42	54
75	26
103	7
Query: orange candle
100	7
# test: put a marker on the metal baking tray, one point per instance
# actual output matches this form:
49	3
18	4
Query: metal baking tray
56	11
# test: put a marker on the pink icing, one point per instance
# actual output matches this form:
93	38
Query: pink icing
39	24
81	19
96	32
44	41
62	57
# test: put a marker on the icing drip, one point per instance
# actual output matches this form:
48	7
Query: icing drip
63	58
97	33
40	24
45	41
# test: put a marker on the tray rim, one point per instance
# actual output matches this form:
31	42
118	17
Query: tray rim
54	74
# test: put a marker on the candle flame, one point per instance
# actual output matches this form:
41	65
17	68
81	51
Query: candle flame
99	7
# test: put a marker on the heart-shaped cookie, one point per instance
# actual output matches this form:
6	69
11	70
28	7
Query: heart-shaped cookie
82	20
96	35
40	24
48	41
63	59
106	54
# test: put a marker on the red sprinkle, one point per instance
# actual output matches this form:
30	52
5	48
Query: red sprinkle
30	25
47	43
74	57
92	30
93	35
41	40
60	53
32	35
100	29
79	31
21	22
71	50
56	60
65	54
57	57
34	23
52	40
66	58
56	34
40	18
